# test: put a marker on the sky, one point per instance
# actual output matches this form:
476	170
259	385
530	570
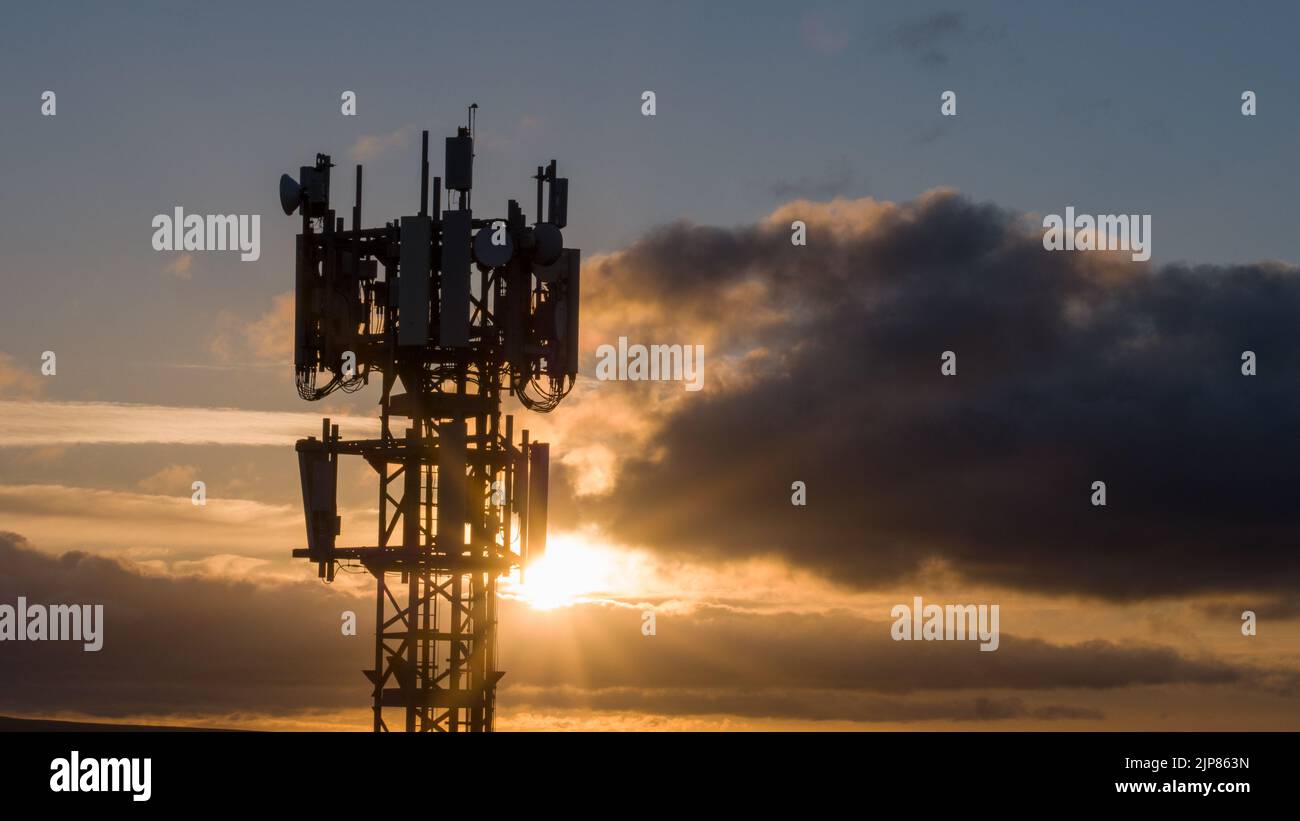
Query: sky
822	360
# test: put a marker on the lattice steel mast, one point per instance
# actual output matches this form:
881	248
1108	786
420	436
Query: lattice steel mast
456	310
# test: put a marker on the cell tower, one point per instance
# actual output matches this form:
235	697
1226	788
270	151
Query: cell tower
457	310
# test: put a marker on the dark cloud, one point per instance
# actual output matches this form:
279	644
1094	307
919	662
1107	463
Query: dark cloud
815	705
194	646
833	666
925	39
837	179
931	133
1281	608
1072	368
602	648
177	645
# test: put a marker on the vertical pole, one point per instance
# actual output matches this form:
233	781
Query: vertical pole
379	649
356	219
523	502
509	495
476	678
540	176
411	547
490	652
424	174
454	669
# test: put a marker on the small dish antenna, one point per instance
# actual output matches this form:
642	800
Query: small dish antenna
489	253
290	194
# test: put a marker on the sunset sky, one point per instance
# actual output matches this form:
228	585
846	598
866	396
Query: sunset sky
822	362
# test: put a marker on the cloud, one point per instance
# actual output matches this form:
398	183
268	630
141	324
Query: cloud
152	529
16	380
369	147
198	645
171	480
924	39
161	532
32	423
1282	607
930	133
267	339
807	705
175	644
715	648
837	179
180	266
40	457
1072	368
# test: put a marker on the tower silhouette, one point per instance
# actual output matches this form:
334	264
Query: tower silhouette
458	312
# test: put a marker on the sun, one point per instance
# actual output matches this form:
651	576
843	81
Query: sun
572	571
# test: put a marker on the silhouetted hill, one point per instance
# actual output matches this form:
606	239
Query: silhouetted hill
41	725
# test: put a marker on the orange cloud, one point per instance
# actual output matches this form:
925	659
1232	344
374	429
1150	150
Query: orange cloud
370	146
267	339
16	380
33	423
170	481
180	266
